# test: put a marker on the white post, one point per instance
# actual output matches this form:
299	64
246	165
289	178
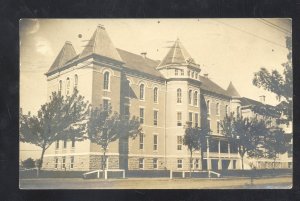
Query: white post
123	174
183	174
219	150
98	174
105	174
171	174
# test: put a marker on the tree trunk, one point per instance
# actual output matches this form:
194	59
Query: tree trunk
191	162
202	160
104	163
274	161
41	161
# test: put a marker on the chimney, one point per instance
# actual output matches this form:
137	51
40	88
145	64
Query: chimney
144	54
262	99
205	75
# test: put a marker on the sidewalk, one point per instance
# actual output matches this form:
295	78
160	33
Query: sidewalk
156	183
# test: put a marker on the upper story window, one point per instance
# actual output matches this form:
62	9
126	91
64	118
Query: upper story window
179	142
208	107
155	142
60	86
189	73
179	119
176	71
195	98
181	72
142	92
68	86
155	95
190	97
218	108
76	81
106	81
218	127
190	117
141	144
141	115
196	119
155	117
179	95
196	75
57	144
193	74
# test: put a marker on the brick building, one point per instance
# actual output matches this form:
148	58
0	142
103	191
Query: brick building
164	94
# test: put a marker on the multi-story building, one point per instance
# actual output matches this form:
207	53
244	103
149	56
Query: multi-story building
165	95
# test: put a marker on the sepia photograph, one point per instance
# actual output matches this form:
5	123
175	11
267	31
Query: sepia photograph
198	103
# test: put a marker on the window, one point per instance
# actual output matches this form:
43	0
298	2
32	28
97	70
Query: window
72	162
155	95
155	118
155	140
190	117
218	127
105	104
64	162
142	92
65	144
73	143
59	86
179	142
179	119
218	109
190	97
57	144
196	163
76	81
196	119
141	163
208	123
208	107
189	73
181	72
176	71
196	75
195	98
179	163
68	86
106	81
55	163
193	74
141	115
141	146
226	110
155	163
178	95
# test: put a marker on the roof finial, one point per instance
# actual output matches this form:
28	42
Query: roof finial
101	26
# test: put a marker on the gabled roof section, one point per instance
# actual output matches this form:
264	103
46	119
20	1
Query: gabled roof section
66	54
211	86
139	63
231	91
177	55
100	44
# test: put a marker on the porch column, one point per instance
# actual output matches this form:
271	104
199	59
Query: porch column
207	154
219	150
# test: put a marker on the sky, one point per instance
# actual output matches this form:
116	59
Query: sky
226	49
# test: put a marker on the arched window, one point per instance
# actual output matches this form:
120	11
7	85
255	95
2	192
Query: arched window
190	97
155	95
142	92
238	111
195	98
60	86
106	81
189	73
76	81
208	107
179	95
68	86
218	109
193	74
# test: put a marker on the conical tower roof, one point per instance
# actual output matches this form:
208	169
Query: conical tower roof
177	55
231	90
100	44
66	54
